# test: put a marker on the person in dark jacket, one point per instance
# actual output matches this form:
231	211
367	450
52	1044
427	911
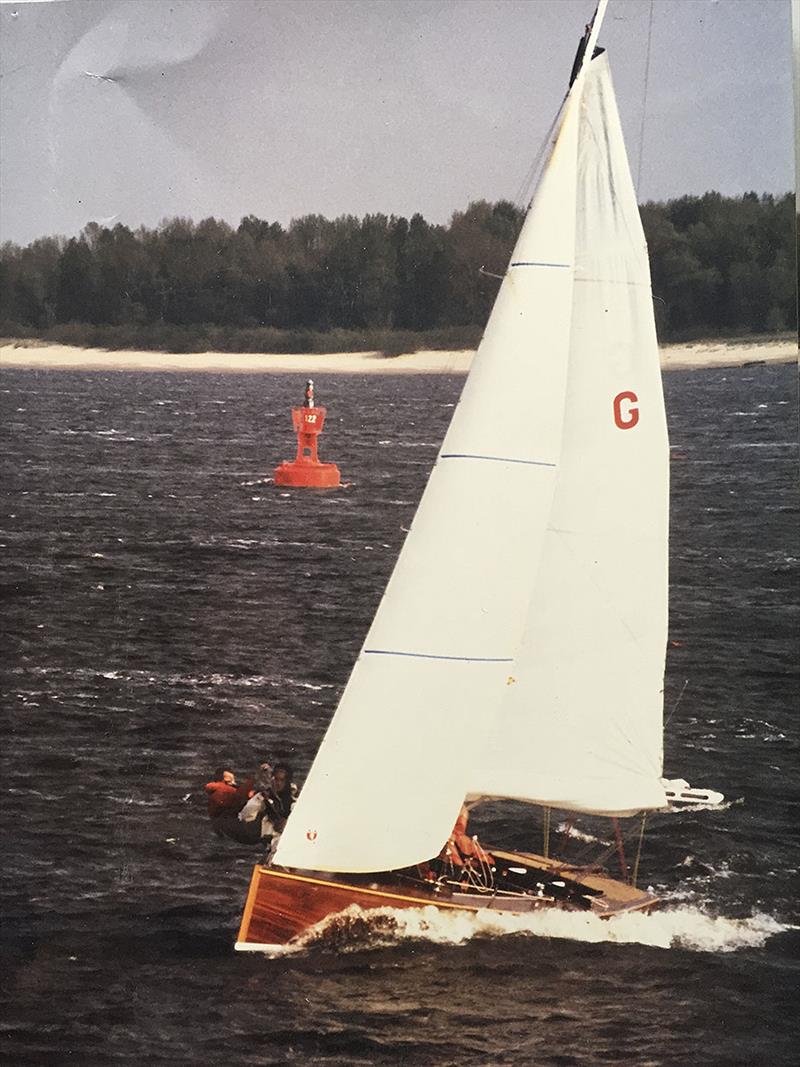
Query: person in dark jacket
269	806
284	794
279	804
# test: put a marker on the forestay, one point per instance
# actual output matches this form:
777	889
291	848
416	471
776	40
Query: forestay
581	726
392	771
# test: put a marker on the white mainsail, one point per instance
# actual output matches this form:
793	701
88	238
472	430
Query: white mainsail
392	770
581	727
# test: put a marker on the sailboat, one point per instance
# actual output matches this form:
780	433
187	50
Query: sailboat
519	649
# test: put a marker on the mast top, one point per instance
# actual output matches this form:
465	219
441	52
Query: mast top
588	42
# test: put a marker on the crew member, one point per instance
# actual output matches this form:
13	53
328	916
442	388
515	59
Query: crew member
266	812
461	850
226	798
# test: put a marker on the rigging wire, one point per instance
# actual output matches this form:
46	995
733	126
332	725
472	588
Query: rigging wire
522	201
524	192
677	702
620	848
524	195
635	872
644	97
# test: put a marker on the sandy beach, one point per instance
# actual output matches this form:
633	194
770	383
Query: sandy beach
63	357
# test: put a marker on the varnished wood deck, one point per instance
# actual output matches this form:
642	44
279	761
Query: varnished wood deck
616	896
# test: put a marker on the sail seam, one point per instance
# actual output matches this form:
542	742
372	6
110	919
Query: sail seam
433	655
613	281
535	263
496	459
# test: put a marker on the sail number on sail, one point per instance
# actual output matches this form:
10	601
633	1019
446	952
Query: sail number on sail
625	420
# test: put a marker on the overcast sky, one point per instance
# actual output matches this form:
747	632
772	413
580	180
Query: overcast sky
136	110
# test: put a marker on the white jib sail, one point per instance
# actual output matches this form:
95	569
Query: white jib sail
581	726
391	773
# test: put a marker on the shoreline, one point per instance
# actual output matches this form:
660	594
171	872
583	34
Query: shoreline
695	356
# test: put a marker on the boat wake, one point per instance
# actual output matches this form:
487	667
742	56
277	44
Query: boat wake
684	927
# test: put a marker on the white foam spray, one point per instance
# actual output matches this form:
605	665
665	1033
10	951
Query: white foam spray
684	927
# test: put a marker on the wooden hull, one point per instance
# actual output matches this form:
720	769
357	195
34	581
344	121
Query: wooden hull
283	905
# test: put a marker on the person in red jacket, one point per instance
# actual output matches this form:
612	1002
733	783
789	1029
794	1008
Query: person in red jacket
226	798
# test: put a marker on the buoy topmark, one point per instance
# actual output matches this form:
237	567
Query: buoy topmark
306	470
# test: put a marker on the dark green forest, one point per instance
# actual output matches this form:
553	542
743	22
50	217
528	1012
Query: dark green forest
721	266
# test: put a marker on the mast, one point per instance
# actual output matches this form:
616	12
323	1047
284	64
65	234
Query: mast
588	41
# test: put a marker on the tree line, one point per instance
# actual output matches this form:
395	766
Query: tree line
720	266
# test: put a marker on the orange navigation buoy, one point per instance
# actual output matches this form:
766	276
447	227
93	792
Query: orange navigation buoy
306	470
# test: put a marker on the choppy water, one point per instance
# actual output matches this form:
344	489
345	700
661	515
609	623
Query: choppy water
167	608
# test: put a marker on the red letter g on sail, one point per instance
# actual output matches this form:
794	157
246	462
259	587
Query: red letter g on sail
627	419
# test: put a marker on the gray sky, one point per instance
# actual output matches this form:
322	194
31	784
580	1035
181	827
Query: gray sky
280	108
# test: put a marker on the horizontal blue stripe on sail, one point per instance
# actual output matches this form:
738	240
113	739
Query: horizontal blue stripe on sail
533	263
496	459
431	655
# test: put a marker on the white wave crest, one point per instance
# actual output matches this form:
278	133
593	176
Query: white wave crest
684	927
691	808
580	835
